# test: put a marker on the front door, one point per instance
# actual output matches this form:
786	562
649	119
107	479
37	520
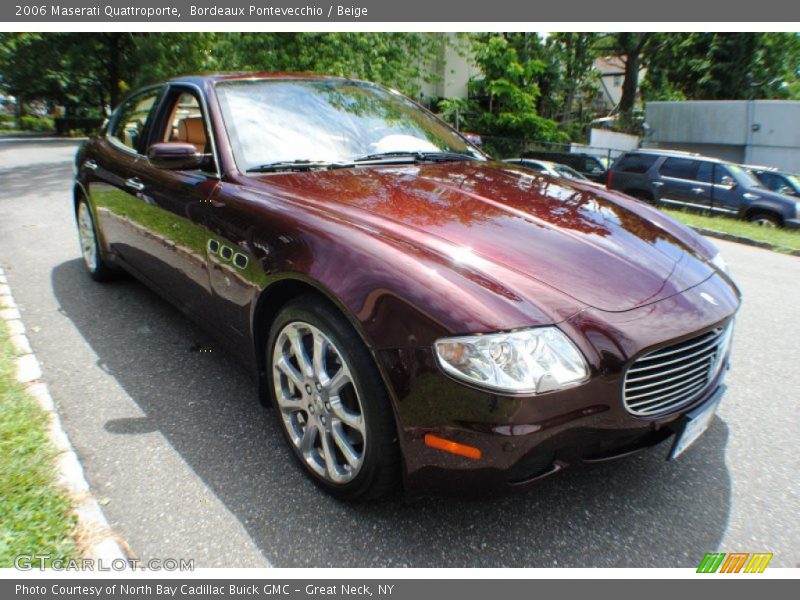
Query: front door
171	214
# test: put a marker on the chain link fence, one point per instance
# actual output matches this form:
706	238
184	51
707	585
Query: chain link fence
502	148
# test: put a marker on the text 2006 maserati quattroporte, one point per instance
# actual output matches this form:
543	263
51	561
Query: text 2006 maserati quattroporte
417	313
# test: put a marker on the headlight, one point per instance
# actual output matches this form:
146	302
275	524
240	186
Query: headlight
720	263
528	361
797	209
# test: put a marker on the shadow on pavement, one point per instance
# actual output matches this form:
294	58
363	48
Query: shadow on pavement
642	511
49	177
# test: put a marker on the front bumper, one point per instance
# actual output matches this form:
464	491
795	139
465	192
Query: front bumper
791	223
523	439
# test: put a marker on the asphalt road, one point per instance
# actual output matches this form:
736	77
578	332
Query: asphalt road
193	467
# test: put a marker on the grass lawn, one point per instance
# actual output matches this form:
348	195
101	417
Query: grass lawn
780	237
35	516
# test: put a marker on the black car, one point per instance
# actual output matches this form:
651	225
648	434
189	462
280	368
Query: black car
586	164
777	181
685	180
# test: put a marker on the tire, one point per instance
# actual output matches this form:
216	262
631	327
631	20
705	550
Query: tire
335	413
765	219
98	269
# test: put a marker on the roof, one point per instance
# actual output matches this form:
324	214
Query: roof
243	75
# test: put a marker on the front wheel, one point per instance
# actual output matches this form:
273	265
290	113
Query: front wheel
331	401
98	269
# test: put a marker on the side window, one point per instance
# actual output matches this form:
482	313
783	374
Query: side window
131	118
182	120
712	173
680	168
593	165
635	163
185	123
771	181
534	166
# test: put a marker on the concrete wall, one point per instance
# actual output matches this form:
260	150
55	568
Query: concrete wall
764	132
605	138
697	122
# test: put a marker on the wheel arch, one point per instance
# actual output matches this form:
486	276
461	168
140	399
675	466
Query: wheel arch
755	209
269	303
78	192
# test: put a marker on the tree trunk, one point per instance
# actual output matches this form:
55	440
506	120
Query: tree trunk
630	84
632	46
19	111
113	42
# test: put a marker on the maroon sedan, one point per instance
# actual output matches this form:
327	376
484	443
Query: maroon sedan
416	312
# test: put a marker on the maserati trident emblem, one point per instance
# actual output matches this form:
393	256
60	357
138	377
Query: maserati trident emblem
709	298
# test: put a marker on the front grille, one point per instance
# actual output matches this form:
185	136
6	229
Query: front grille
668	378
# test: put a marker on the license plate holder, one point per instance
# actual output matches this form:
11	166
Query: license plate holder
694	425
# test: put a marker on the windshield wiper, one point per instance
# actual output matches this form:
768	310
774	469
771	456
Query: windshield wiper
413	156
369	159
299	165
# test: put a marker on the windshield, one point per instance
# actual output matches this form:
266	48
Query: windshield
795	181
568	172
326	121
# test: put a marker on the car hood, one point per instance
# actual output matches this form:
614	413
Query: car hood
602	249
784	199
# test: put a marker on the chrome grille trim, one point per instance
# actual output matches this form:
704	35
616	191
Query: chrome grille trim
662	381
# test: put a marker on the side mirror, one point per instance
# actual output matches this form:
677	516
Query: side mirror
474	139
728	181
787	191
176	156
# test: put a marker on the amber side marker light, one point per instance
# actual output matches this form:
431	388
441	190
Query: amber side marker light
434	441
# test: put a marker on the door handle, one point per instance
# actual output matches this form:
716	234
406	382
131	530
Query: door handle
134	183
658	184
91	165
698	190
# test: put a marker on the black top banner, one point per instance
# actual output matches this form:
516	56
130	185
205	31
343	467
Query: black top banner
314	11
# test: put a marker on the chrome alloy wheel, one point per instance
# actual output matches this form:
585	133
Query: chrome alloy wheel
86	236
319	403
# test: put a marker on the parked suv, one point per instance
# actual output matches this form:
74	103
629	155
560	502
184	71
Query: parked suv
698	182
586	164
777	181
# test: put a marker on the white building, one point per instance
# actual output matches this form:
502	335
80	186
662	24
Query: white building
449	72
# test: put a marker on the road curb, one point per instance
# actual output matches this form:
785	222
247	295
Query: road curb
745	240
102	544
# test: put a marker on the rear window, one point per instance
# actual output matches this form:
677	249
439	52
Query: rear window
680	168
635	163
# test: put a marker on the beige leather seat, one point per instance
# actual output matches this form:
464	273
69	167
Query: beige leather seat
192	130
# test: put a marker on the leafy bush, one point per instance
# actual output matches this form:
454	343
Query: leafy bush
36	123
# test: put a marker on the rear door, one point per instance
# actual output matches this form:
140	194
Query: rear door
111	172
680	185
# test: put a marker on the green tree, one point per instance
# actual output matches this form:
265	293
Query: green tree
575	54
89	72
509	91
722	66
629	47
